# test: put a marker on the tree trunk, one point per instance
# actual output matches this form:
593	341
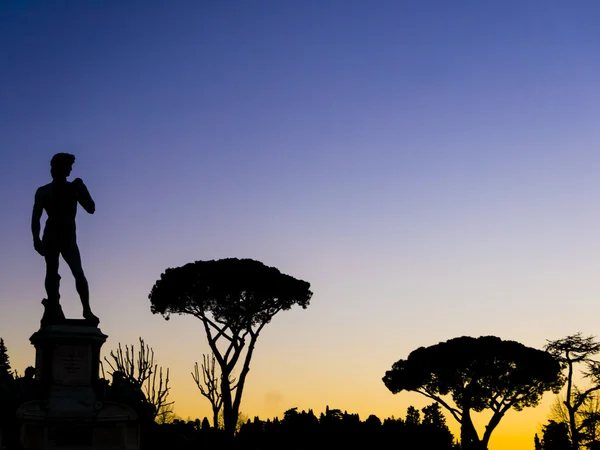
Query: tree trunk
244	373
473	445
490	427
229	418
216	418
469	440
574	430
569	405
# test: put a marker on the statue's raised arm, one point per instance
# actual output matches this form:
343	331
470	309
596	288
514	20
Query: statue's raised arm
83	196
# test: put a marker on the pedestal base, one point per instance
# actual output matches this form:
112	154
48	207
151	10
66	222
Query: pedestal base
71	412
113	427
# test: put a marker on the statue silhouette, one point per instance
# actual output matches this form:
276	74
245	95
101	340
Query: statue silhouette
59	199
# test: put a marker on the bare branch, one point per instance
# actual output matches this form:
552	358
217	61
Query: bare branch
144	373
210	383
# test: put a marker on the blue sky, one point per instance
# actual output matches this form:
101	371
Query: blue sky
430	167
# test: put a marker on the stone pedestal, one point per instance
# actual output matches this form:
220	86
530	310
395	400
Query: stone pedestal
71	412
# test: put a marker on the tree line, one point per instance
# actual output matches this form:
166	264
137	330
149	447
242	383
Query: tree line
300	430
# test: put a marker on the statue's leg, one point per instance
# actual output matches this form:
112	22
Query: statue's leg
52	278
52	310
73	259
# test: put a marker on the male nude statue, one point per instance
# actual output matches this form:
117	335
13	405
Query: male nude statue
59	199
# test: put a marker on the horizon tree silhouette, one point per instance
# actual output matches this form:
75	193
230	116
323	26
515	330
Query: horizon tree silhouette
6	379
413	416
555	436
299	430
433	416
582	409
234	299
478	374
5	368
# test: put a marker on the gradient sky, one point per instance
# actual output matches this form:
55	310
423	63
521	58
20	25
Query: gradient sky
430	167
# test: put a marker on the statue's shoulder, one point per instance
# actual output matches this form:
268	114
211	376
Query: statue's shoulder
44	190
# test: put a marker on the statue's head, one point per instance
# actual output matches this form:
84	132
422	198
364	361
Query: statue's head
61	165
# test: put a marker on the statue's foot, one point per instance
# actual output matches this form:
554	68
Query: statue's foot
60	315
53	312
90	317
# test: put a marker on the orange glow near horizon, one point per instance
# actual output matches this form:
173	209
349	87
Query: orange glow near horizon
278	382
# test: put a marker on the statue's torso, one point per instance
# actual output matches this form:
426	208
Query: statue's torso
59	200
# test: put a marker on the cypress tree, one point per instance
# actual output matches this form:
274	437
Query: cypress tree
5	370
